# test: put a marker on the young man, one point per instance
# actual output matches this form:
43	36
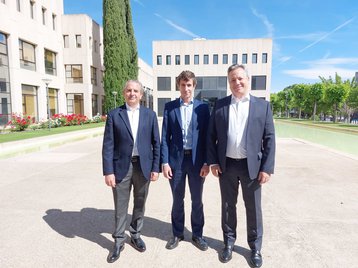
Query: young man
183	154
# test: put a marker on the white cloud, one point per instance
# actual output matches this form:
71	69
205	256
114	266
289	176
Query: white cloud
314	72
139	2
333	61
305	37
269	26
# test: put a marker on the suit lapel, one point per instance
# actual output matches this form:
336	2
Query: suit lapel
177	112
194	123
124	115
142	120
252	108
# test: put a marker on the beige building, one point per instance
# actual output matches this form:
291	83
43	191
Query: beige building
209	60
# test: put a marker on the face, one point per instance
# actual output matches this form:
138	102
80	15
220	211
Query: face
239	82
132	94
186	89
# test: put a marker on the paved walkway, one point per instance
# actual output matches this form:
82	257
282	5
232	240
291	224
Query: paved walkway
56	211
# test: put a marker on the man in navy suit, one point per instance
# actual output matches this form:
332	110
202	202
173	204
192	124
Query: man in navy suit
183	153
131	155
241	149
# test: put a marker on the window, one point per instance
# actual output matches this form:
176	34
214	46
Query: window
211	82
225	59
164	84
206	59
78	41
93	76
187	59
258	82
254	57
215	59
43	16
177	59
234	58
18	5
66	43
50	62
74	73
159	59
27	55
5	98
53	101
168	60
53	22
94	104
75	103
161	104
95	45
264	57
196	59
32	4
29	100
244	58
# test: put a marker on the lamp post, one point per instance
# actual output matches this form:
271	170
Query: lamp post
47	81
115	98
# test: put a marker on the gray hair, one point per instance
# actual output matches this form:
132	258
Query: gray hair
238	66
136	82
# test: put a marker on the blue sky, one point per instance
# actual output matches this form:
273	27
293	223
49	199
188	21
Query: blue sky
311	38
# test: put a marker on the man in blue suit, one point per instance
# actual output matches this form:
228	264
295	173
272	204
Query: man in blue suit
241	149
131	155
183	153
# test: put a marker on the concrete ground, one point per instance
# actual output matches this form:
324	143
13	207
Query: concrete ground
56	211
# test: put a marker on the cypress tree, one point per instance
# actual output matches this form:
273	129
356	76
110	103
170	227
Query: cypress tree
120	50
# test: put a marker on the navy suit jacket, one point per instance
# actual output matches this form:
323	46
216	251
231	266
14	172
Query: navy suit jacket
118	143
172	151
260	138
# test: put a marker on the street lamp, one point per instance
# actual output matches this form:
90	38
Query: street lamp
115	98
47	81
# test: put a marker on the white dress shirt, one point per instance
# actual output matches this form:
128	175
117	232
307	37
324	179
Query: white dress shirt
186	112
133	115
238	115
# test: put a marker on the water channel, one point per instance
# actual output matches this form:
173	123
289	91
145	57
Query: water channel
340	141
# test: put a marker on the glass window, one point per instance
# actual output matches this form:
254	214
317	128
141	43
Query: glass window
75	103
78	41
66	41
161	104
94	104
32	4
168	60
234	58
206	59
54	22
264	57
258	82
225	59
215	59
177	59
53	101
159	59
187	59
43	16
27	55
164	84
74	73
93	76
50	62
244	58
29	100
254	57
5	97
196	59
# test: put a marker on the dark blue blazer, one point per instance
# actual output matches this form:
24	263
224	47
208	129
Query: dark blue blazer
260	138
172	151
118	143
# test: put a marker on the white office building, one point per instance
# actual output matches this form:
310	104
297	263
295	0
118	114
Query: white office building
209	60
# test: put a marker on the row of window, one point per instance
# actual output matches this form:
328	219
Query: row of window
32	11
214	59
78	42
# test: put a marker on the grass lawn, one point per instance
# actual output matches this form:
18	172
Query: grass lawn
21	135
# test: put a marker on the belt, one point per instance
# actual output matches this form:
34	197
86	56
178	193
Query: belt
135	158
187	152
236	159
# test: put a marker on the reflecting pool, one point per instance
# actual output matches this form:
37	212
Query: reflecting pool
344	142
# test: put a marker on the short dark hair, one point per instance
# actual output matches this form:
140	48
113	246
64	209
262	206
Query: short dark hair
237	66
186	76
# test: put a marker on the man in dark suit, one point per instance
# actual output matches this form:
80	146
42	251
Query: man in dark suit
183	153
241	149
131	155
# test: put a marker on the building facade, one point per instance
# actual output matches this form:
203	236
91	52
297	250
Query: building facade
209	60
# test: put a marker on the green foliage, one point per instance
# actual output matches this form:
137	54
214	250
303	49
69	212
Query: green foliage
120	50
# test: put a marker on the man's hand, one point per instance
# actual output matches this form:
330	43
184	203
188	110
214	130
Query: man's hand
154	176
263	177
204	171
167	171
216	170
110	180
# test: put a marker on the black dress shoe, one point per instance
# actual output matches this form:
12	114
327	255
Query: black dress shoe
200	243
138	244
114	255
226	254
174	241
255	258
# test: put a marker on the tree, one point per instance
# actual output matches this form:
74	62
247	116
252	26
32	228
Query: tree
297	97
351	104
313	94
120	50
